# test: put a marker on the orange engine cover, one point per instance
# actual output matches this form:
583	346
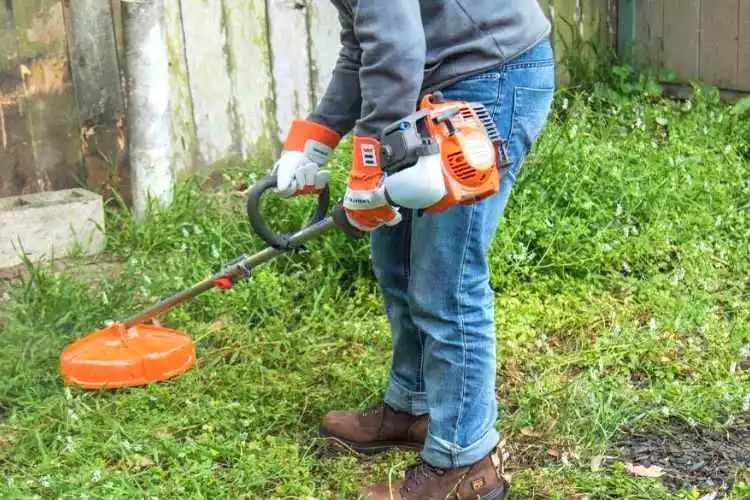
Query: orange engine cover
469	154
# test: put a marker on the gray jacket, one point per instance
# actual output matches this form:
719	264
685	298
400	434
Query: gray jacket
395	50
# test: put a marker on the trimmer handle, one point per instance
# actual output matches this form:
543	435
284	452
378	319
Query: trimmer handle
282	241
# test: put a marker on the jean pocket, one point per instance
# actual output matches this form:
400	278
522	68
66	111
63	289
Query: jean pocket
531	107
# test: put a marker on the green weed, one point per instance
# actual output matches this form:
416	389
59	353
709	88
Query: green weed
621	273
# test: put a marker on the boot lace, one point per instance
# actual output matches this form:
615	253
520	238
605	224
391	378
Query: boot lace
417	474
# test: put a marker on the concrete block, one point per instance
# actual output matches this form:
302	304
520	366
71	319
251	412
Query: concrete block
50	225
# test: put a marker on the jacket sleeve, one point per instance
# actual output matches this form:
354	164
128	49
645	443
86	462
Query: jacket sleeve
340	106
392	41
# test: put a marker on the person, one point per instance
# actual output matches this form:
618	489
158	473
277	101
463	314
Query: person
433	270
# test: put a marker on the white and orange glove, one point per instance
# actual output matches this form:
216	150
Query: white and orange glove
365	202
307	148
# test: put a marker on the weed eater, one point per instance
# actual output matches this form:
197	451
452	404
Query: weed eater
446	153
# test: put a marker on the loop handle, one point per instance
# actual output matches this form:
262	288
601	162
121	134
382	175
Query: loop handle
258	223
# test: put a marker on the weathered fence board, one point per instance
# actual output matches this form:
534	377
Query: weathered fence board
290	50
325	42
250	75
48	98
681	25
649	33
718	42
96	80
16	159
743	70
184	140
206	47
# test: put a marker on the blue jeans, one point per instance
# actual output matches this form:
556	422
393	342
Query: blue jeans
433	272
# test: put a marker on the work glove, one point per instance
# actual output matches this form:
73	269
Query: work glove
365	202
307	148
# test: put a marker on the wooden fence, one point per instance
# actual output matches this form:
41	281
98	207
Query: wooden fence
707	40
240	70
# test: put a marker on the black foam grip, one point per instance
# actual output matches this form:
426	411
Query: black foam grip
258	223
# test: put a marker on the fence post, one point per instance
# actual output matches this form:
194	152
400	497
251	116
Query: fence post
626	28
149	132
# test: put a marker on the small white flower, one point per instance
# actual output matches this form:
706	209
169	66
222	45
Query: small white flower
69	447
746	402
96	476
745	351
678	276
72	415
665	411
652	325
45	481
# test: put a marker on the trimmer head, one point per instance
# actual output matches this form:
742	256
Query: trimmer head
126	357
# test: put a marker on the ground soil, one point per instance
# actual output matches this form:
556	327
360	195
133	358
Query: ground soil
692	456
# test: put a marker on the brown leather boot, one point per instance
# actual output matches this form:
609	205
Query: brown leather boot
376	429
424	482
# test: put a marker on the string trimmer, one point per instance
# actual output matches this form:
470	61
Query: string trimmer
139	351
445	154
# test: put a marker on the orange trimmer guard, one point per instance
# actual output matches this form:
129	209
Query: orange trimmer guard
118	356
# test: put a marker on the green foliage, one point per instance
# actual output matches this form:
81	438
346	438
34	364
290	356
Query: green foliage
622	301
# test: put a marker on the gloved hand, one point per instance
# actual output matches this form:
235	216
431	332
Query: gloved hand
307	148
365	202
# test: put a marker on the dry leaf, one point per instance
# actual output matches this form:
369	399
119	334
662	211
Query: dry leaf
141	461
596	463
553	452
530	432
641	471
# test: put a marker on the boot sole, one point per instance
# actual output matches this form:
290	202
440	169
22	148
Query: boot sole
375	448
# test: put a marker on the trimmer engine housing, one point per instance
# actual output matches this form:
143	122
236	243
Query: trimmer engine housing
465	137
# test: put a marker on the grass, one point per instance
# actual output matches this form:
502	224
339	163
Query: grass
621	273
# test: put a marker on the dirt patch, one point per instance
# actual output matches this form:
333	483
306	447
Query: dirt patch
692	457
